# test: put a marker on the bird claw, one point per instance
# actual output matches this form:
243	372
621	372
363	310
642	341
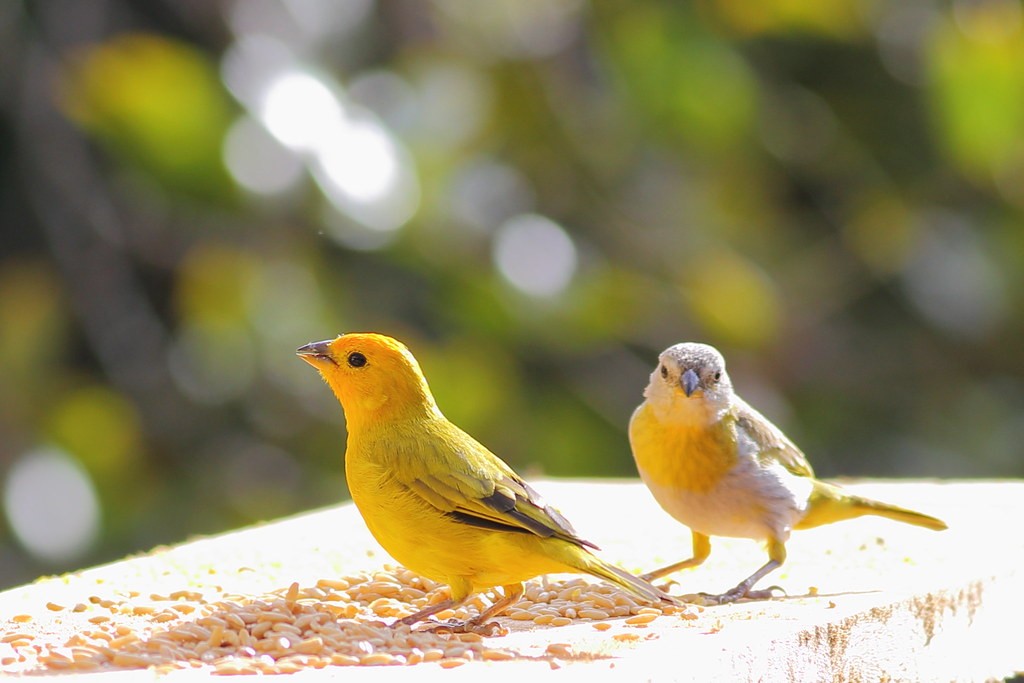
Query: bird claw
488	630
738	593
767	593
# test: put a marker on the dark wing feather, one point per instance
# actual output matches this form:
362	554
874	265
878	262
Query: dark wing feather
475	487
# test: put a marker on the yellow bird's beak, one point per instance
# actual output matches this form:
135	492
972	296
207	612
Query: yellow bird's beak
317	353
689	381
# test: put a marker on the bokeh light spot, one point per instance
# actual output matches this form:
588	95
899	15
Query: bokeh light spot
300	111
251	63
257	161
51	505
360	161
535	255
367	174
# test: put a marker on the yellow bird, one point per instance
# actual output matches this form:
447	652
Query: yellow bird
436	499
723	469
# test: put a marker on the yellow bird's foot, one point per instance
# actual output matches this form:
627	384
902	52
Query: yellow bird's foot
489	629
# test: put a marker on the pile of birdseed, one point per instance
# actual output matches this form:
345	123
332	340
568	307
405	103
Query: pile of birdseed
334	622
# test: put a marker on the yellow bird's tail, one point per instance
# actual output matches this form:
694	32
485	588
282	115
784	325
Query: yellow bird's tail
830	503
633	584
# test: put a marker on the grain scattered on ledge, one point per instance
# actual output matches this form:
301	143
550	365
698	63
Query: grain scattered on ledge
340	621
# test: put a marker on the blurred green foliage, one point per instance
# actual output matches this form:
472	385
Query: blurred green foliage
536	195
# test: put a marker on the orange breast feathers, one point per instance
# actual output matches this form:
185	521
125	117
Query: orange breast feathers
680	454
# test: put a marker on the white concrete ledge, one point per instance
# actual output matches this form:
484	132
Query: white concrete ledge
867	600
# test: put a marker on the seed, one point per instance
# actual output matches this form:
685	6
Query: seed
559	649
602	626
542	619
453	662
600	601
311	645
333	584
234	620
216	636
118	643
409	594
496	655
561	621
383	588
593	614
641	619
433	654
273	617
21	618
54	607
519	615
186	595
234	667
211	622
282	627
377	659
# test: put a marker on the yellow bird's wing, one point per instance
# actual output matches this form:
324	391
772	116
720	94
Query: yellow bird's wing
463	479
773	445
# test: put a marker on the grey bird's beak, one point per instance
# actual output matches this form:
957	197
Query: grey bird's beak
316	352
690	381
313	348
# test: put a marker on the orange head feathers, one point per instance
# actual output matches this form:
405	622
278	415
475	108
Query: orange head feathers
372	375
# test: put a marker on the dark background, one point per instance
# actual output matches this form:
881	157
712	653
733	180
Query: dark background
537	196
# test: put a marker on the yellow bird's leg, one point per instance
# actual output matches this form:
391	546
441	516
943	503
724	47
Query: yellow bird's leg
483	625
430	611
480	624
776	556
460	590
701	550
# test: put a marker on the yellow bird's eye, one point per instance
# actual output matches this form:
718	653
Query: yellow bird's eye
664	372
356	359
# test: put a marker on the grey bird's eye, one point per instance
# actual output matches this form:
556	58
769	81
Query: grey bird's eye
664	372
718	376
